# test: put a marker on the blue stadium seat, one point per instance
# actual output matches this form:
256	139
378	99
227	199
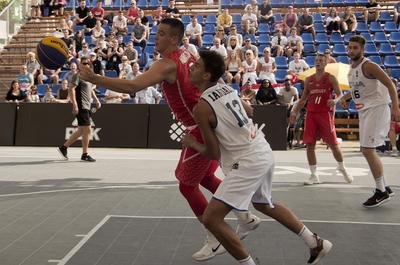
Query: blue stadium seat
352	108
263	39
350	2
208	40
362	27
307	38
111	73
347	36
385	16
236	19
151	41
339	49
397	49
390	26
185	19
138	49
153	4
261	50
312	3
236	87
200	19
343	59
210	19
322	48
395	73
209	29
225	4
309	49
375	26
153	30
336	38
337	3
278	18
367	36
377	59
326	3
380	37
317	17
143	3
276	3
149	50
299	3
280	75
287	2
321	38
385	49
41	89
340	112
237	3
281	62
310	60
390	61
164	3
362	2
126	38
263	28
319	27
370	49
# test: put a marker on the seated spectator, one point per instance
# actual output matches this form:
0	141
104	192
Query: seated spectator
156	57
396	12
248	46
32	95
289	20
25	79
96	64
287	95
249	21
249	67
85	52
61	28
193	31
220	34
120	25
115	97
158	16
15	94
233	67
98	12
35	9
135	72
33	66
139	33
89	22
278	43
306	23
329	57
348	21
233	32
371	11
254	7
131	53
58	7
332	21
81	12
298	65
71	73
69	41
225	20
125	66
114	56
189	47
232	44
266	94
149	95
266	67
145	22
265	13
77	42
62	93
132	13
218	48
48	96
248	94
96	32
49	74
295	43
171	10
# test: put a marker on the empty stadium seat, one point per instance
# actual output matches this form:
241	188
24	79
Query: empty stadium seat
263	39
307	38
395	73
236	19
237	3
208	40
336	38
318	17
322	48
309	49
321	38
385	16
280	75
390	61
225	4
375	26
310	60
281	62
209	29
263	28
362	27
347	36
367	36
385	49
339	49
397	49
211	19
143	3
343	59
370	49
390	26
377	59
319	27
380	37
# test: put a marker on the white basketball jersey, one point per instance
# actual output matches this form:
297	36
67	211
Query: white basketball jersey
366	92
236	132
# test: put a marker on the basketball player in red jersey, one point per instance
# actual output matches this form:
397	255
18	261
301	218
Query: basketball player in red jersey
318	90
194	169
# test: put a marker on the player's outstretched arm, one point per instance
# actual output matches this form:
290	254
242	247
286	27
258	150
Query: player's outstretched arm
299	104
164	69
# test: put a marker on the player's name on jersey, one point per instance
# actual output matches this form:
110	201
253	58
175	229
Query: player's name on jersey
219	93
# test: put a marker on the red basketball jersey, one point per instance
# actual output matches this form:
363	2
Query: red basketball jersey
320	92
182	95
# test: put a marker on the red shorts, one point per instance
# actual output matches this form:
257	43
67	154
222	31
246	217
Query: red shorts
395	126
193	166
322	124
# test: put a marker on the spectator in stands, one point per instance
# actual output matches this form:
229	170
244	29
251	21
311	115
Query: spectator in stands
98	12
49	74
189	47
265	13
248	46
254	7
114	55
193	31
278	43
332	21
348	21
298	65
396	12
89	22
306	23
233	32
233	67
295	43
289	20
218	48
248	94
266	66
266	94
81	12
62	92
59	6
96	64
125	67
287	95
156	57
61	27
171	10
158	16
120	25
73	71
85	52
68	39
46	8
96	32
77	42
102	53
35	9
25	79
33	66
135	72
232	44
32	95
139	33
132	13
249	21
131	53
329	57
150	95
115	97
371	11
249	67
220	34
48	96
225	20
145	22
15	94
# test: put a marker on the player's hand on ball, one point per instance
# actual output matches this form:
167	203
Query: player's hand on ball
188	140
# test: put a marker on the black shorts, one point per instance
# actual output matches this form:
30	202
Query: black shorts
83	117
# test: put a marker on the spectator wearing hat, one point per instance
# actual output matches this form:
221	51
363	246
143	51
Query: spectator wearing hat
132	13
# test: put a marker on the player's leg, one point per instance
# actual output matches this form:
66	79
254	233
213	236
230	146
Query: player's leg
310	136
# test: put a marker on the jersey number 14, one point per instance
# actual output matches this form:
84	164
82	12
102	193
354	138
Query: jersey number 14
236	109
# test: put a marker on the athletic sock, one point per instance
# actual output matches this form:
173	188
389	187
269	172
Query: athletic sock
308	237
247	261
341	165
380	184
313	169
241	216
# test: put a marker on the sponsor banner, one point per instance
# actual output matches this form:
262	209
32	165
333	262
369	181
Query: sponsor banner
114	125
8	120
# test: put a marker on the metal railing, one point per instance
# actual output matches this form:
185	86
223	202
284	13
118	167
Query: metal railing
11	18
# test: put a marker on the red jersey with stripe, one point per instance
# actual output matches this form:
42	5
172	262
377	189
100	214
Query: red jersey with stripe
320	92
182	95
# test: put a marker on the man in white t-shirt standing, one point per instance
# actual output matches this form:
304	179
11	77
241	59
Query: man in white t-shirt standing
194	31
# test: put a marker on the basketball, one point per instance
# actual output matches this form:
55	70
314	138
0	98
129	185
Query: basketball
52	52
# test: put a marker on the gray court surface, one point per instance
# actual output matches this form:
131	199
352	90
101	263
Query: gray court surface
126	209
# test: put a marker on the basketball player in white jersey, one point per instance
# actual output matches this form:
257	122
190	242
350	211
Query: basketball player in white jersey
245	158
373	92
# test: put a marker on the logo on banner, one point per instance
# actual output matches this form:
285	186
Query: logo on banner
95	131
176	130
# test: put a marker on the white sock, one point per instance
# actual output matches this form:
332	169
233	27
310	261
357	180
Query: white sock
242	216
247	261
341	165
380	184
313	169
308	237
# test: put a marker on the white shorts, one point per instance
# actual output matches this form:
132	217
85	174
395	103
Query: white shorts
374	126
250	181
